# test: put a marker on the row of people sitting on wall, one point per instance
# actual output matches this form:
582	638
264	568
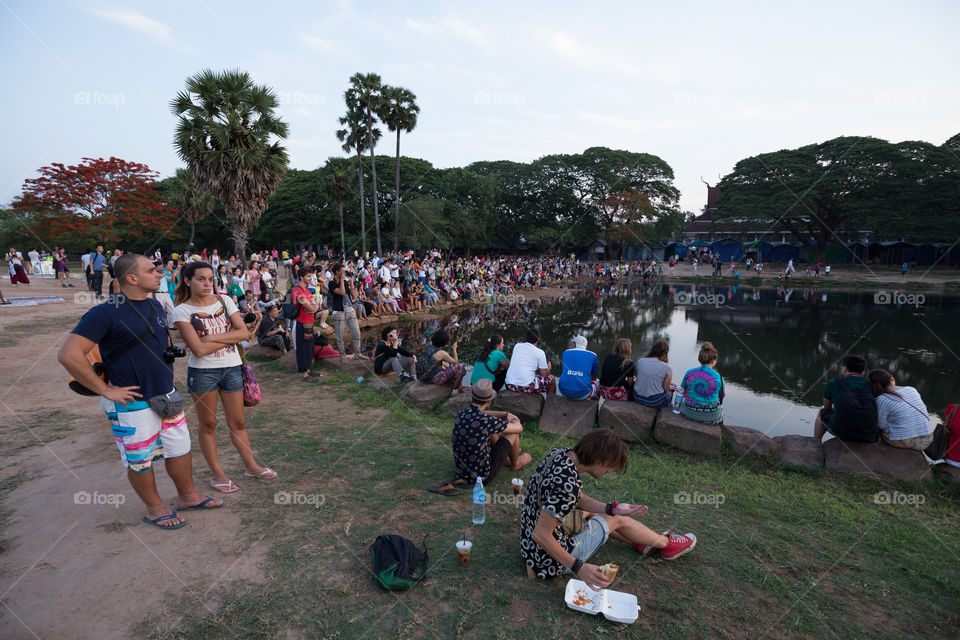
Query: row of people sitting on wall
648	381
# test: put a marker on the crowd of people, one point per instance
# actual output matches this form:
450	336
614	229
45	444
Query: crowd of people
217	306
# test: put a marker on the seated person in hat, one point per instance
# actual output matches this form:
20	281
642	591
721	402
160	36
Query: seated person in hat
483	442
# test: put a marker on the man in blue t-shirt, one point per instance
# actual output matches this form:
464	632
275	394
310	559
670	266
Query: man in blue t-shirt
579	379
97	261
131	333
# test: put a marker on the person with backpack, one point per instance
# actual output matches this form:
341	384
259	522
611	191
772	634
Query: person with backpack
849	409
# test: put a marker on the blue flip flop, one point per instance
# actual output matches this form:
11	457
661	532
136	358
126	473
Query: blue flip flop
200	506
172	516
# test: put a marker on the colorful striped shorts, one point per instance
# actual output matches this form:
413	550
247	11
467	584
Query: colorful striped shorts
142	436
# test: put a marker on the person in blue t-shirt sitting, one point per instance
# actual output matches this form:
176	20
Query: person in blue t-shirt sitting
580	375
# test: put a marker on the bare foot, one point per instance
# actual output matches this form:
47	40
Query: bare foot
522	461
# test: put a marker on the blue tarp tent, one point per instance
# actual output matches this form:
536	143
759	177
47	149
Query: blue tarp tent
784	252
728	249
675	249
926	255
760	247
898	252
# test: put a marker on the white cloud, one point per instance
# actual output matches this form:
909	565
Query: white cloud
585	55
452	28
318	44
137	21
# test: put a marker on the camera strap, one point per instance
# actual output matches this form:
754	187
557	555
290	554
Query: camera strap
139	339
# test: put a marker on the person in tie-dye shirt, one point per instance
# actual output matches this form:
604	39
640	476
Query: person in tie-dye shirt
702	389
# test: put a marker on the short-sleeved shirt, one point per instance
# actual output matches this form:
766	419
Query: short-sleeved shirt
579	368
614	370
651	372
114	326
833	392
702	387
297	294
559	491
471	442
481	372
266	326
209	320
525	360
904	415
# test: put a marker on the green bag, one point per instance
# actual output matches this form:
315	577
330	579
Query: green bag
394	560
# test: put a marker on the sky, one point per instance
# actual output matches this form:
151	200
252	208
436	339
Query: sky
699	84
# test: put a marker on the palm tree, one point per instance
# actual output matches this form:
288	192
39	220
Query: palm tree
398	110
354	139
365	95
225	131
336	186
191	201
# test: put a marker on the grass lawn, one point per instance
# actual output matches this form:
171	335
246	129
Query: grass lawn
786	554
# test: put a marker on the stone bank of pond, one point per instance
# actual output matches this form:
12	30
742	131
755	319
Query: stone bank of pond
778	347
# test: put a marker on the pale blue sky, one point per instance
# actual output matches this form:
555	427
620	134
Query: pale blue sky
700	84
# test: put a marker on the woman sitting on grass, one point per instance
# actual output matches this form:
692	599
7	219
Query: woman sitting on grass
436	366
703	389
902	415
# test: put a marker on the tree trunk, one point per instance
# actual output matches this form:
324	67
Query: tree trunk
240	241
193	228
363	215
373	170
343	242
396	200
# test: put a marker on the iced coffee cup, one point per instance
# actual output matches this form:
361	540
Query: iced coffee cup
463	552
517	486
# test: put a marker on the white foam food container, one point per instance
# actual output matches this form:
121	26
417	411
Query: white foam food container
614	605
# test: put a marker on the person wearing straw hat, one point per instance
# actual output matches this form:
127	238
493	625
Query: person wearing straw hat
483	442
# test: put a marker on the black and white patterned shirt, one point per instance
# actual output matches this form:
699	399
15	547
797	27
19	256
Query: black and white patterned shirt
471	442
560	487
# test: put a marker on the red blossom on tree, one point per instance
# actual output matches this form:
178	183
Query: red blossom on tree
108	201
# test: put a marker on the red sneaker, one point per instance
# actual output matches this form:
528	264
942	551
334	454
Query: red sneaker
646	549
678	546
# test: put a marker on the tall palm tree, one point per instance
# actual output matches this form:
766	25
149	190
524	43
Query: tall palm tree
398	110
191	201
354	138
228	134
365	94
337	187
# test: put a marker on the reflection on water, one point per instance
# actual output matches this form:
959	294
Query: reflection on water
778	347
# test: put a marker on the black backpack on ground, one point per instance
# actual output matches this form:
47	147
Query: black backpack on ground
855	417
394	560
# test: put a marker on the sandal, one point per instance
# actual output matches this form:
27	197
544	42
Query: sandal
224	487
202	506
170	516
266	474
450	488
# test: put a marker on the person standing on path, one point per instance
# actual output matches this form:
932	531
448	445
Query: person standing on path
133	341
341	290
211	326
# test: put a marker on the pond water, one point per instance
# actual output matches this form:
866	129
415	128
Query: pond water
778	347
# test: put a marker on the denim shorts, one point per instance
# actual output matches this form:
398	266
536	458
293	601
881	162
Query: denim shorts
219	379
595	532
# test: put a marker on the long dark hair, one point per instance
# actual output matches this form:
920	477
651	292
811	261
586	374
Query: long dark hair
489	347
182	293
880	379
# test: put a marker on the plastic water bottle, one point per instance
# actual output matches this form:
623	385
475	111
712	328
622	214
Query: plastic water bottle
677	401
479	502
359	379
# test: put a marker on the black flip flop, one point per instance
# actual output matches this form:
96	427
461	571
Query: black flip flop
445	489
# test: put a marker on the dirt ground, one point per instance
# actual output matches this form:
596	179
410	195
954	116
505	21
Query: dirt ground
75	559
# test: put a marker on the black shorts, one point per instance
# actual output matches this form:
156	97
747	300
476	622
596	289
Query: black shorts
825	415
498	455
